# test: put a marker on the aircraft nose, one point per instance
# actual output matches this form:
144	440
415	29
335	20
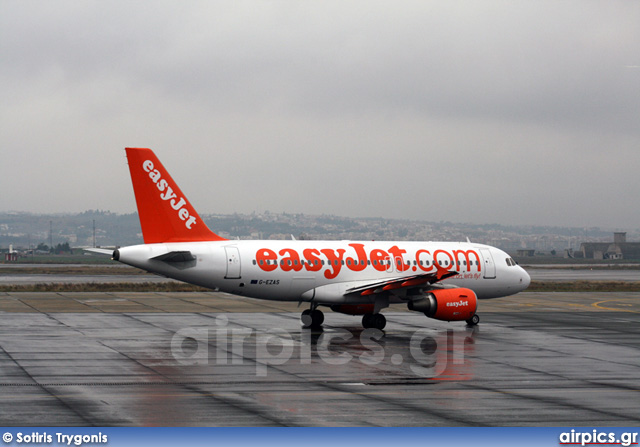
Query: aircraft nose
525	279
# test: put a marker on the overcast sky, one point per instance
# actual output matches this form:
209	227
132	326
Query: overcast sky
493	111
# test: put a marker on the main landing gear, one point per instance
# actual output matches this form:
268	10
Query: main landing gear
473	321
312	318
374	321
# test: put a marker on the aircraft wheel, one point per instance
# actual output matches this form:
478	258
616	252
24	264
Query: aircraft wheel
374	321
312	318
473	321
305	318
379	321
317	318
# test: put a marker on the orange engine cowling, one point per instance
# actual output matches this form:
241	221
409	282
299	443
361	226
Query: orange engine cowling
353	309
447	304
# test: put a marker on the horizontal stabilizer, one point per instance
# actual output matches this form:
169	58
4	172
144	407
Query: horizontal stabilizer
176	256
100	251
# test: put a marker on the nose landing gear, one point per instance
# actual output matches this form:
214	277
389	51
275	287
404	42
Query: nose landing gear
473	321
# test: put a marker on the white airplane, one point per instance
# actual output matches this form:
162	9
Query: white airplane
443	280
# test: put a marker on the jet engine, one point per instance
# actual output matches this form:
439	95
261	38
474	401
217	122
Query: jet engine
447	304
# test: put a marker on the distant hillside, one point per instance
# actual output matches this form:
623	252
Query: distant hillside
25	229
22	229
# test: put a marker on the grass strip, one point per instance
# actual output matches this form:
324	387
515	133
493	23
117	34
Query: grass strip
584	286
74	270
105	287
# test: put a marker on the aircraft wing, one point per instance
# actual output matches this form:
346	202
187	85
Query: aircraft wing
399	283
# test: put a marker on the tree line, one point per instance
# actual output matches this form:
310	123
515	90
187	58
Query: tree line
58	249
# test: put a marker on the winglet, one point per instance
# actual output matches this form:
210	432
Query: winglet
165	213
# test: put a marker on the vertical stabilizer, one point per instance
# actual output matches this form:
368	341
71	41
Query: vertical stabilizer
165	213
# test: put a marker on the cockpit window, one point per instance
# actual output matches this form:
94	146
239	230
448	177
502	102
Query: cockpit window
511	262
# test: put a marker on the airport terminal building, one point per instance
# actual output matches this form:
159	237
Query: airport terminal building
618	249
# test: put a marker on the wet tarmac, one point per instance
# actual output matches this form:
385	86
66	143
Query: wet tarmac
33	278
586	274
183	359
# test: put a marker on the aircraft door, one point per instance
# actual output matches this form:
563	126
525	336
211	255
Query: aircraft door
233	263
489	267
398	264
389	264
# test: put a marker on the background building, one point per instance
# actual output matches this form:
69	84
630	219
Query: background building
619	249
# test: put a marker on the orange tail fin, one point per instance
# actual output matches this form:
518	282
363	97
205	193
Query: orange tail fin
165	213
